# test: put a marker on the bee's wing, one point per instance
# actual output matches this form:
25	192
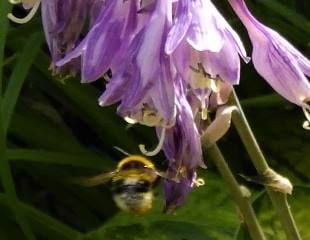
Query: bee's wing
95	180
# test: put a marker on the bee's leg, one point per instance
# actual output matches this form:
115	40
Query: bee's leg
156	182
165	176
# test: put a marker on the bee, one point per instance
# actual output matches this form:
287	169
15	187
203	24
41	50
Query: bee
132	183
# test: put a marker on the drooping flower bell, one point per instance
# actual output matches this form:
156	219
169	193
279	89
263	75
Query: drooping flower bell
107	41
183	149
205	48
143	82
276	60
63	23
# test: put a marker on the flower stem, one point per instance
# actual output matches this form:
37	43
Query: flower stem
278	199
242	201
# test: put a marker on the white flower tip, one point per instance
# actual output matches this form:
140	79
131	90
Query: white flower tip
101	103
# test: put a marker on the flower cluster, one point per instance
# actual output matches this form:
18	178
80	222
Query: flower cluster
172	61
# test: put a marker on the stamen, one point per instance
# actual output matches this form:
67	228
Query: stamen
150	118
199	182
215	84
158	147
26	18
306	110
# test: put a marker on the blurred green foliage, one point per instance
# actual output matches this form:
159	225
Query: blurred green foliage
52	129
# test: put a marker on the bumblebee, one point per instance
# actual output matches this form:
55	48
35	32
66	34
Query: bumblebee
132	183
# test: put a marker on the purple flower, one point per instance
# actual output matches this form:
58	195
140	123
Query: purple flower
63	23
107	41
204	47
183	149
143	82
276	60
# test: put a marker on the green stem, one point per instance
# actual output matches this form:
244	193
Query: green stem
278	199
242	201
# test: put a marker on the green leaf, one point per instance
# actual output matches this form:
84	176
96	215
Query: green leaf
160	230
299	206
5	8
39	131
47	157
242	233
24	61
43	223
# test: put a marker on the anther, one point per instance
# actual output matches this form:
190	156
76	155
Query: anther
26	18
158	147
151	118
204	110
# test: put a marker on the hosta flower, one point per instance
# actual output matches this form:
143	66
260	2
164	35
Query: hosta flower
172	61
205	48
108	39
183	149
63	22
144	82
276	60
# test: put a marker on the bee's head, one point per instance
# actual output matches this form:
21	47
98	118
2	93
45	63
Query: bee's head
135	162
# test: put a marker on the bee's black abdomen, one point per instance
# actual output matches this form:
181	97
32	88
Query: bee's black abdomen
142	186
123	186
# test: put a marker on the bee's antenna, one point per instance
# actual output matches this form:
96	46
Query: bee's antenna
121	150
